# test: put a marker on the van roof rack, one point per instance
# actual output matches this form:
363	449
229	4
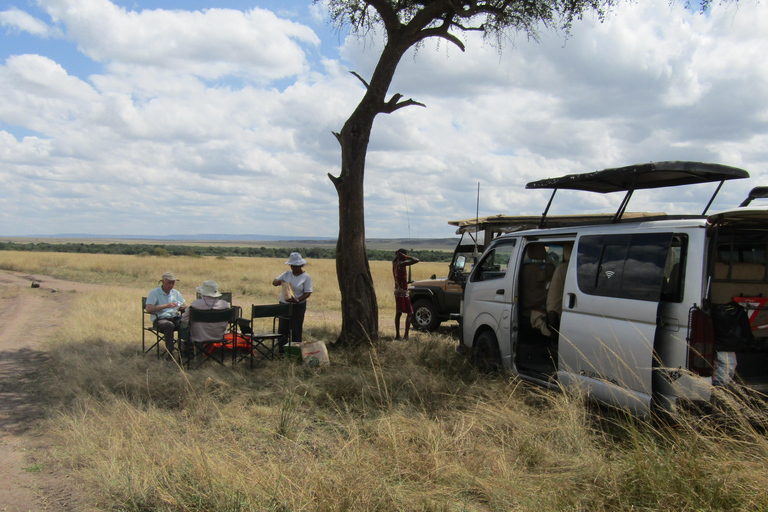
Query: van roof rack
640	176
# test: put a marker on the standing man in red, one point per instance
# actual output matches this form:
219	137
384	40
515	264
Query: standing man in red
402	301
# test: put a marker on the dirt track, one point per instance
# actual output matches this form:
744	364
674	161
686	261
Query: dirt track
27	320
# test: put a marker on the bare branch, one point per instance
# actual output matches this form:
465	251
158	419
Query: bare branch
395	104
336	181
338	136
360	78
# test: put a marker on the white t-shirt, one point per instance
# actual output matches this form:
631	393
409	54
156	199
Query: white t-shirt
301	284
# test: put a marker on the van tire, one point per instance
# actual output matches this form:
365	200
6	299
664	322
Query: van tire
487	358
425	316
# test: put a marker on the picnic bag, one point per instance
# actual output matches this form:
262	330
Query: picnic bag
314	354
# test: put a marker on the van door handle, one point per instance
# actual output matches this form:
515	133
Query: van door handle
500	291
571	300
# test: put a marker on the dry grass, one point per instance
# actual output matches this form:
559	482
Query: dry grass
396	426
249	279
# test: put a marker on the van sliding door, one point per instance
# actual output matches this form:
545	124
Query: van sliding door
610	314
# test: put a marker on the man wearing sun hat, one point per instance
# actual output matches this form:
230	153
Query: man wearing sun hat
209	299
298	291
165	304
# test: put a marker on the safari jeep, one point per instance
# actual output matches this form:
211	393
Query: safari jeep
623	308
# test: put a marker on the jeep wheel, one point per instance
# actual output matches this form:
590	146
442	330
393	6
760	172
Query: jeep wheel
425	316
487	358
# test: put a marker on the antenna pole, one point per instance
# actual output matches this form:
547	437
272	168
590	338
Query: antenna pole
477	222
408	219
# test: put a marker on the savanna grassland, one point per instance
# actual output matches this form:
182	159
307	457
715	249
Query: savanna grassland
406	425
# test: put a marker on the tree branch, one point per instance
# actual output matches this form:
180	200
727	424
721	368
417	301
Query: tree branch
360	78
395	104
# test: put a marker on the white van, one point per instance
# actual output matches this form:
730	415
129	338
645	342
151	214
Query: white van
623	308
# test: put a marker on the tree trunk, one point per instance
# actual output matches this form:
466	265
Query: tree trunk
359	308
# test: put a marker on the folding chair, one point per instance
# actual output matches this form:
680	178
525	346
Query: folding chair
209	349
149	328
264	344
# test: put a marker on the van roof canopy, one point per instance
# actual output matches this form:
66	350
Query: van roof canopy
641	176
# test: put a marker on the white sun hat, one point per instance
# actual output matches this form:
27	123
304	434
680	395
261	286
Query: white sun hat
295	260
209	289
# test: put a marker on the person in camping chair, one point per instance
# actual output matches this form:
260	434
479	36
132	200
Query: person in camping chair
209	299
165	304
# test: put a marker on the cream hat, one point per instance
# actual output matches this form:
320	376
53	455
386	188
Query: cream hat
295	260
209	289
168	276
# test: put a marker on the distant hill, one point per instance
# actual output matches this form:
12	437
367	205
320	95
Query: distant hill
384	244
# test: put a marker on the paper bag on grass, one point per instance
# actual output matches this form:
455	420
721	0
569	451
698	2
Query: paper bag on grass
314	353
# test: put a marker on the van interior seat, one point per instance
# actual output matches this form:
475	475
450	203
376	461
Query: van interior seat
535	275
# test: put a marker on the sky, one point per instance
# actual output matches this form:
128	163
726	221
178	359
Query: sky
168	117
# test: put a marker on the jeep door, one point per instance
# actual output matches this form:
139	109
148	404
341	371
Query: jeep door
609	320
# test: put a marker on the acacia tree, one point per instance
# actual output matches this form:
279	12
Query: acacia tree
407	23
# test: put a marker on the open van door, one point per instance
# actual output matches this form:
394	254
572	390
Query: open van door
610	316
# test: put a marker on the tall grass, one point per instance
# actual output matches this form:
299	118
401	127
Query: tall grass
395	426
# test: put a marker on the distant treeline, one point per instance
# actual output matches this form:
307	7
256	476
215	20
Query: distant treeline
163	250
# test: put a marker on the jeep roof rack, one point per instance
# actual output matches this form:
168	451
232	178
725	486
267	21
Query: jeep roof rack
512	223
640	176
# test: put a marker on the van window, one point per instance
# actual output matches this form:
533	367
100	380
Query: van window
624	266
495	263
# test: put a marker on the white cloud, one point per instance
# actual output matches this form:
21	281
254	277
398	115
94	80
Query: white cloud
20	21
211	44
220	117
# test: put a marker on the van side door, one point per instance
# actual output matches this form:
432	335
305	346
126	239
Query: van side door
488	295
609	320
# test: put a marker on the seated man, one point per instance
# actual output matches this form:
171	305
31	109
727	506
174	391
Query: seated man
165	304
209	299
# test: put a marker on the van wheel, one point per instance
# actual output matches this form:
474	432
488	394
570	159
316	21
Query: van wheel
487	358
425	316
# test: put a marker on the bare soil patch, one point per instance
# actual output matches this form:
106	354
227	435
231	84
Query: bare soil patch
27	319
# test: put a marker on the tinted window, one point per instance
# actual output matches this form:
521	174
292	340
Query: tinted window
625	266
495	263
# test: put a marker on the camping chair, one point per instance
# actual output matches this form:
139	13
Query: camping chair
209	349
148	327
264	344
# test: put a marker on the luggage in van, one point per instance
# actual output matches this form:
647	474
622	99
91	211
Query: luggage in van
731	329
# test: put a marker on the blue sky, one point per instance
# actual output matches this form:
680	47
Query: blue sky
160	117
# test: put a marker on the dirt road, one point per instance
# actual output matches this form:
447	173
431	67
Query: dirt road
26	321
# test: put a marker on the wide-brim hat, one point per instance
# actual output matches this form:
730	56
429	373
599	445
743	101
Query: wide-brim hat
295	260
209	289
168	276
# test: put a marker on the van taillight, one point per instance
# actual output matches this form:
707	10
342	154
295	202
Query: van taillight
700	343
